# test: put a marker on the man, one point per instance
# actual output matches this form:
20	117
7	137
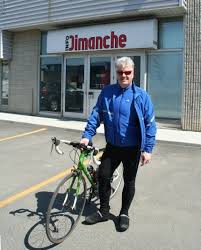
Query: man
127	113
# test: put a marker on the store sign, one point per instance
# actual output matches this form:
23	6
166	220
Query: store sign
74	42
126	35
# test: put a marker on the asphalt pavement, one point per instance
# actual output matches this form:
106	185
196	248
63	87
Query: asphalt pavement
164	215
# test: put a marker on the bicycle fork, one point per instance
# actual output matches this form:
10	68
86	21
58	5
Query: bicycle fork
75	194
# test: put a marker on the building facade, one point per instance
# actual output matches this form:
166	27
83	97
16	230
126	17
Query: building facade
56	56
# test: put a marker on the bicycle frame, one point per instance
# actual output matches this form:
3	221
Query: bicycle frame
71	194
81	169
82	166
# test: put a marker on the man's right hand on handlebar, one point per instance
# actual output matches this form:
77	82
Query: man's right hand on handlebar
84	141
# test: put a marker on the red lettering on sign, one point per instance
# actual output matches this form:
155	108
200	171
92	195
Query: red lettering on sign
72	43
76	36
105	45
83	44
122	40
92	43
99	42
112	41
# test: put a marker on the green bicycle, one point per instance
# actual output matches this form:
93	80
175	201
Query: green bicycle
68	200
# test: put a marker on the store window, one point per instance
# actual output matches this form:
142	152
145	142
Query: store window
50	83
165	70
136	60
100	68
165	83
43	48
171	34
4	83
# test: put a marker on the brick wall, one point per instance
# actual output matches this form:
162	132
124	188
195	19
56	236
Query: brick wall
191	116
23	88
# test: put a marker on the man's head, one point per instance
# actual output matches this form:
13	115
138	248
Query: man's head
125	71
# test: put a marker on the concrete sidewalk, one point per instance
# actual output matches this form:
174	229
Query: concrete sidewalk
164	133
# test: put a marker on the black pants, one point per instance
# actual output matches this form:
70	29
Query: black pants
110	160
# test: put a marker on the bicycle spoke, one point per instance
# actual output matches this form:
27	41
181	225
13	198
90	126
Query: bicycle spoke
65	209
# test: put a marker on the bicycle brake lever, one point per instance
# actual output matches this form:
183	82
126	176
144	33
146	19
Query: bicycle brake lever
53	139
56	143
51	148
58	150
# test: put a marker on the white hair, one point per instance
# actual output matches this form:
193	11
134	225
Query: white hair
124	61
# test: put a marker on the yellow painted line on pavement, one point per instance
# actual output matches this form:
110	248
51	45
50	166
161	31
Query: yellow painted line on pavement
36	187
33	188
23	134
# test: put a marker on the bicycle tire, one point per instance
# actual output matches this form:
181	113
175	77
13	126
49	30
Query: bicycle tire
116	178
116	181
60	203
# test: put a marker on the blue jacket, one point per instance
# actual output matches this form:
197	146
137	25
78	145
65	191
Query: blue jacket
103	112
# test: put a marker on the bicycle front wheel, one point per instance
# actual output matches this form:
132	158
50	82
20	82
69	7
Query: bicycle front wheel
65	208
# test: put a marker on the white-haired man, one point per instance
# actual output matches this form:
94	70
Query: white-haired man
128	116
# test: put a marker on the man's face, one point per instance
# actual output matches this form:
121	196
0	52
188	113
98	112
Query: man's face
125	75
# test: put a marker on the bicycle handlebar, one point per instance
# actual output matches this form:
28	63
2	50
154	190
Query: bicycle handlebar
77	145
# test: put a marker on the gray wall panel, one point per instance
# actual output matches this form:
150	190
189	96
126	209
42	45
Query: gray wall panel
23	13
23	89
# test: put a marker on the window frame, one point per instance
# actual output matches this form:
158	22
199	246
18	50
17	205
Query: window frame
2	64
169	20
163	51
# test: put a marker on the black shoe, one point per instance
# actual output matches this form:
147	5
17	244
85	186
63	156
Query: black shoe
95	218
123	222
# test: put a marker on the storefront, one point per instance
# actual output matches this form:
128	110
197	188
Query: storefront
55	57
77	63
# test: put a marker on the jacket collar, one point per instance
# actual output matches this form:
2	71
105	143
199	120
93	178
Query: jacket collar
136	91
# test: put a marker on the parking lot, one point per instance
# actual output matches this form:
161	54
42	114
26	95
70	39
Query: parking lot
164	215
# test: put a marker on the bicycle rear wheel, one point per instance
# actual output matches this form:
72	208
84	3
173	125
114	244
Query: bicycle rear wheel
65	208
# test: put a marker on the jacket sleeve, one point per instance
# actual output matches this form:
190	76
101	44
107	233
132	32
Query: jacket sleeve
94	119
150	125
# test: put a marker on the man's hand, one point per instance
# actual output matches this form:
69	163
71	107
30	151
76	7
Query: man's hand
84	141
145	158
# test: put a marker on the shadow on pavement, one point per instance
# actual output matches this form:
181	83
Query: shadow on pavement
36	238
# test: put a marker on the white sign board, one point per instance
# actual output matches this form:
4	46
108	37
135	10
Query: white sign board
125	35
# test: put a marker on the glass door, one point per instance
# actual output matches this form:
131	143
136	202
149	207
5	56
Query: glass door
75	87
139	71
99	76
102	72
85	76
